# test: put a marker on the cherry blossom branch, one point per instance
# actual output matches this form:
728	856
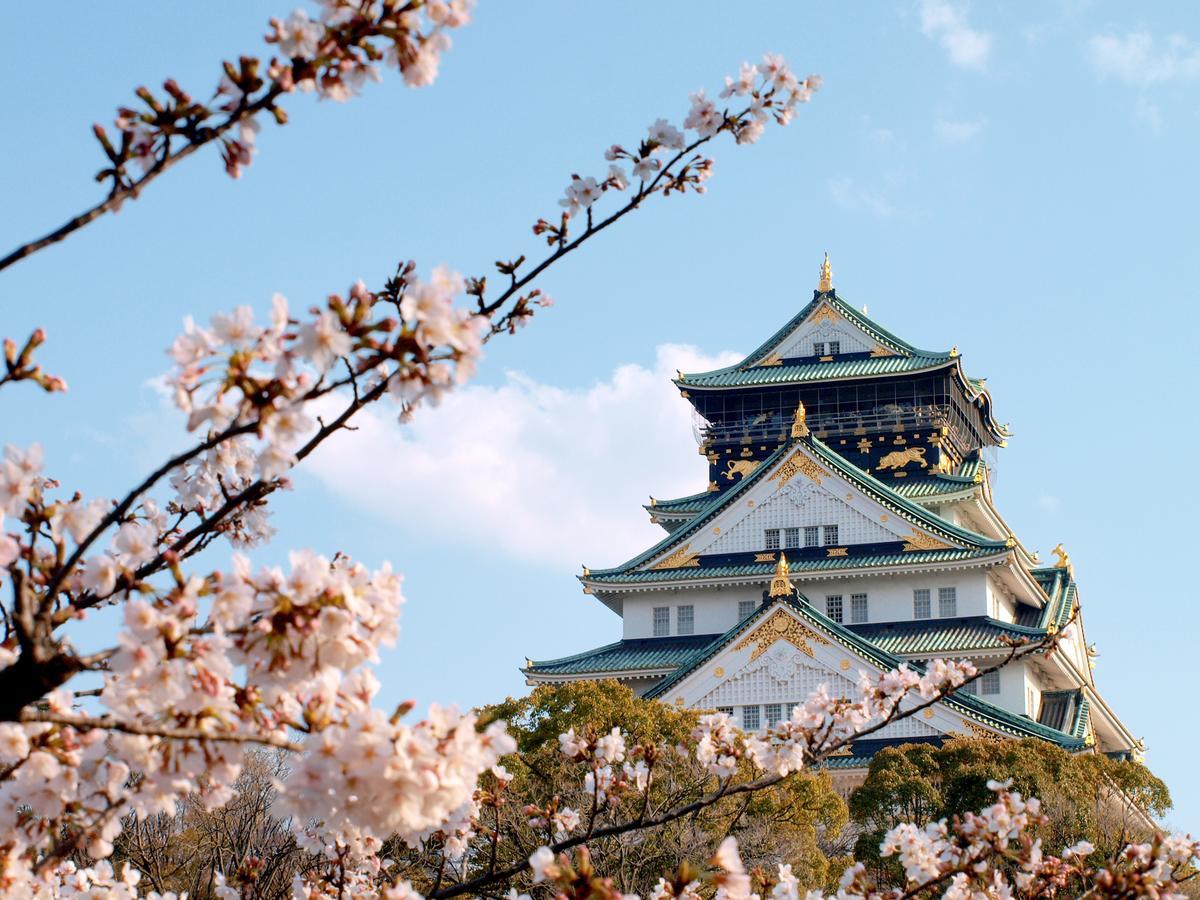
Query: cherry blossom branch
333	57
110	723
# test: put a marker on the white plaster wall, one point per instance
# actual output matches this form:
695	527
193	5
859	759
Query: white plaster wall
798	504
890	599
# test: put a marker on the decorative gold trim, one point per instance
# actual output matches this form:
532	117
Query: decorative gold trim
824	359
928	713
844	665
980	731
798	462
719	671
764	557
679	701
680	559
772	360
882	351
780	626
825	314
836	551
840	751
918	540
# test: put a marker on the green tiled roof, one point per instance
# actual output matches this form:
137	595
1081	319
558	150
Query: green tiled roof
624	655
961	479
690	504
747	373
906	358
917	486
1060	585
989	713
873	487
945	635
916	557
754	376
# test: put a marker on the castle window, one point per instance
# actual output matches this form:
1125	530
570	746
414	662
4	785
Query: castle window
831	535
835	347
662	621
685	620
971	687
812	536
771	538
833	607
947	602
791	538
858	608
989	683
774	714
750	718
745	608
921	605
728	710
818	348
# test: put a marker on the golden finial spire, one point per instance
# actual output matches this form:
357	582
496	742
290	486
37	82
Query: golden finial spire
826	282
780	585
800	423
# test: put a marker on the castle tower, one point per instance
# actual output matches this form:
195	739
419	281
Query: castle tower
847	524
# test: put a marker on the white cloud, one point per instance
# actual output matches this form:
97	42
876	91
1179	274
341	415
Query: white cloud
533	471
1137	58
850	195
959	132
945	23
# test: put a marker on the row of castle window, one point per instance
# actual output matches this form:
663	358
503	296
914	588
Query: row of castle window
685	620
835	608
789	538
771	714
755	717
947	603
860	610
835	347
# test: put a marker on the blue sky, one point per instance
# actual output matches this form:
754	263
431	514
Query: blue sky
1017	180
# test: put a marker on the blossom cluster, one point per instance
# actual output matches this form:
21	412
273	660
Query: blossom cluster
613	770
771	93
333	55
256	384
822	722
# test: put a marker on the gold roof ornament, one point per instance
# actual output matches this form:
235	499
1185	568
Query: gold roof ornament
826	282
781	586
800	423
1063	561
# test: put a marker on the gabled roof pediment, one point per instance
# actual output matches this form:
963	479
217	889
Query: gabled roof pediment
805	484
787	649
802	350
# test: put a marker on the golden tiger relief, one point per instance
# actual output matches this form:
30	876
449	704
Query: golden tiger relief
741	467
898	459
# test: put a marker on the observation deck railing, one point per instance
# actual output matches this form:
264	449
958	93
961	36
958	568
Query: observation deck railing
774	425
